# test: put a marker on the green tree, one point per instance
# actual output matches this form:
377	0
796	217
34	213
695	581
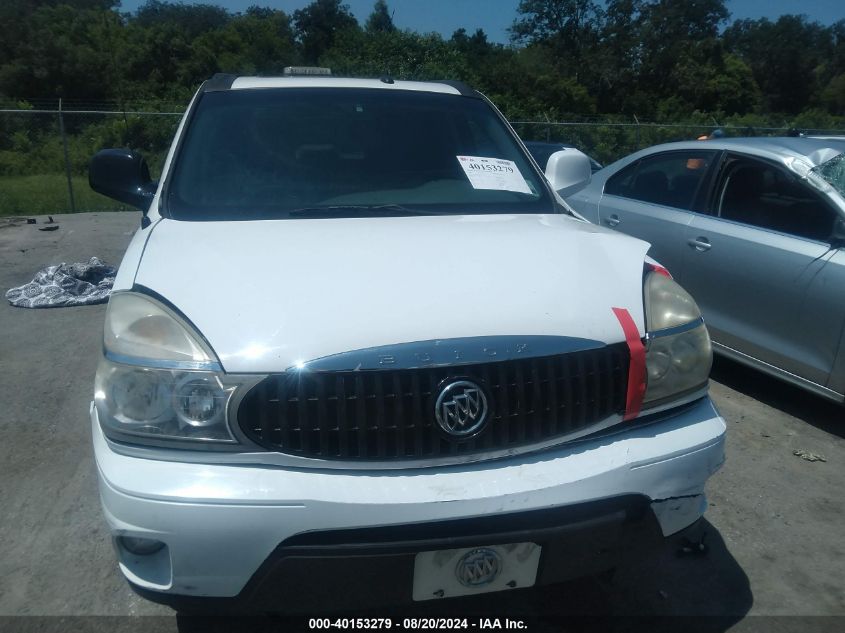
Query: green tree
785	57
58	50
548	20
259	41
706	79
617	62
833	95
525	86
192	20
669	30
380	20
472	45
318	25
568	29
399	54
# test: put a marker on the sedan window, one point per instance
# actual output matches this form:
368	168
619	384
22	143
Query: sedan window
763	195
670	179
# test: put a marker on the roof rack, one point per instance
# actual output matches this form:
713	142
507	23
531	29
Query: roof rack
461	87
223	81
218	81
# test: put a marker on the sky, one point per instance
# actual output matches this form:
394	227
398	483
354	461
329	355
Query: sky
495	16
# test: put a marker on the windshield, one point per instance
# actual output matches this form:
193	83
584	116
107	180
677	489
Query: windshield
833	172
279	153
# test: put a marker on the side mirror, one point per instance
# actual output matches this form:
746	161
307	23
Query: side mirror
568	171
123	175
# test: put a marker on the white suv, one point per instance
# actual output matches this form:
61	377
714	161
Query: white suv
360	351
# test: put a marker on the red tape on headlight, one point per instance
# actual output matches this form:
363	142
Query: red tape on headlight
659	270
636	367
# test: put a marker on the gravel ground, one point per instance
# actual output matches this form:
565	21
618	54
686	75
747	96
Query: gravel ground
774	528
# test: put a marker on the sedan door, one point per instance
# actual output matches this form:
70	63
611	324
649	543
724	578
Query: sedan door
763	271
652	199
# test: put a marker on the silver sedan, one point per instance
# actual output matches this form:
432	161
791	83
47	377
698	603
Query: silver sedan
754	229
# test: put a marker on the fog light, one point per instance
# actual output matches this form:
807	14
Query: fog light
140	546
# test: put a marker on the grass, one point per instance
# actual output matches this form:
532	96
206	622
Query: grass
48	194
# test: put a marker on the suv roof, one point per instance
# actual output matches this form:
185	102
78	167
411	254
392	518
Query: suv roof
233	82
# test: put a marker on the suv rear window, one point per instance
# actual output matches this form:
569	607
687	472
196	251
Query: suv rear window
276	153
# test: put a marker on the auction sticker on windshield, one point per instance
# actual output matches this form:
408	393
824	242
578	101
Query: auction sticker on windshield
493	173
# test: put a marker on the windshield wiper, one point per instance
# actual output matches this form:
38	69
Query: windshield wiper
358	210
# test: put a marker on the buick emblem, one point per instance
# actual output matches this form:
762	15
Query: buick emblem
461	408
478	567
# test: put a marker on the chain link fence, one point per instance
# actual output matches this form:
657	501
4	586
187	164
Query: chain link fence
45	146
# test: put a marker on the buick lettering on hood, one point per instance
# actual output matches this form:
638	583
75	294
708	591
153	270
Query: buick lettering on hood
358	336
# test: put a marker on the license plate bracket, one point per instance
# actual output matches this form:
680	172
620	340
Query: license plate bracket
475	570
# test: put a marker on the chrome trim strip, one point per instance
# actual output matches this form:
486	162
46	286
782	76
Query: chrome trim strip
449	352
678	329
154	363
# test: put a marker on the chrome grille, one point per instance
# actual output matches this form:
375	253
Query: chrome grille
379	415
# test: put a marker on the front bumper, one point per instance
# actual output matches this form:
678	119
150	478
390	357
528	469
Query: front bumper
225	526
374	567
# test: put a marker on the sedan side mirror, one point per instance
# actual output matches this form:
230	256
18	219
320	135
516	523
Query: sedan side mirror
123	175
568	171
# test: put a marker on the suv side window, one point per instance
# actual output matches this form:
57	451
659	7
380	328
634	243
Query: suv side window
671	179
757	193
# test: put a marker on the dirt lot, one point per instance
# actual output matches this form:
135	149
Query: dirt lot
774	529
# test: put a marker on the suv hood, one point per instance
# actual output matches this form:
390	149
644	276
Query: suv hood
270	295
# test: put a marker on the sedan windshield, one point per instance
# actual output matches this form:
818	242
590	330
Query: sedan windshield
325	152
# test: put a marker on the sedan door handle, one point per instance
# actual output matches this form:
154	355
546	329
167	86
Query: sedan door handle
700	244
613	220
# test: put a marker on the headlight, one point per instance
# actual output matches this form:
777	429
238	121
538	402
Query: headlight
159	379
678	353
138	326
